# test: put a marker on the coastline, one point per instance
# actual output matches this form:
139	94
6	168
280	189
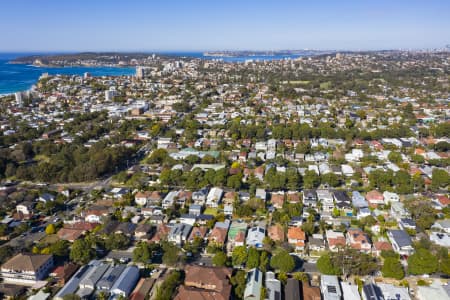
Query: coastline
20	77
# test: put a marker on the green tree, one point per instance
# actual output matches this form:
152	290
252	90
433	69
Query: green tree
331	179
219	259
238	281
395	157
253	258
235	181
168	287
142	253
326	266
282	261
60	248
171	254
311	179
50	229
5	252
293	179
422	262
81	252
264	261
301	276
392	268
445	265
239	256
440	179
117	241
308	227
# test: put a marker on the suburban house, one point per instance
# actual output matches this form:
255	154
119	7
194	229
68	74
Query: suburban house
401	242
261	194
273	287
236	235
46	197
292	289
228	209
253	285
310	292
297	238
255	237
343	201
381	246
390	197
214	197
316	242
218	234
27	268
350	291
205	283
335	240
329	285
371	291
442	225
359	240
124	285
198	232
195	209
358	201
326	199
374	198
199	197
25	209
276	233
277	199
179	233
141	198
309	198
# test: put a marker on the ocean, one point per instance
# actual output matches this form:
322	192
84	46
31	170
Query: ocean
15	77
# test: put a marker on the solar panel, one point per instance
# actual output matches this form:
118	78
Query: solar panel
331	289
81	272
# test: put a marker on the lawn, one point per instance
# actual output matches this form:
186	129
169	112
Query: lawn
325	85
211	211
50	239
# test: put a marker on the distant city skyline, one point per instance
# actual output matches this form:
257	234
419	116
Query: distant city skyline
164	26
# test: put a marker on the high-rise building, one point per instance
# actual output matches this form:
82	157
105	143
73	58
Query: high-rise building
19	99
142	72
109	95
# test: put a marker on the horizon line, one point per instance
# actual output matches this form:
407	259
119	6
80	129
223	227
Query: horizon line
218	50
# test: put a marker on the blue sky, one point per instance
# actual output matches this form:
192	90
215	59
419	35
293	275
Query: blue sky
189	25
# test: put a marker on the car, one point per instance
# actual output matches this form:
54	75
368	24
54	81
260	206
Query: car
154	271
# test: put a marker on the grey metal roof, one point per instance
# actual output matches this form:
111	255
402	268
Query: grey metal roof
94	276
401	238
110	276
330	287
72	285
181	229
372	292
292	289
273	287
127	281
341	196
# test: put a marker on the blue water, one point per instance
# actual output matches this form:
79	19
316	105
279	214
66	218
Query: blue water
15	77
